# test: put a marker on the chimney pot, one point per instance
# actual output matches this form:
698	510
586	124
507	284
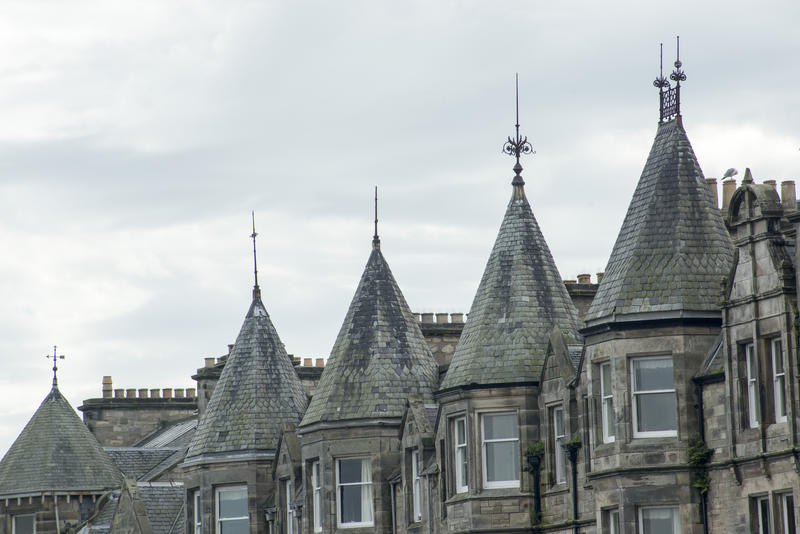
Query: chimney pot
130	393
167	392
209	362
119	393
600	277
584	278
230	347
570	281
788	195
427	318
155	393
320	362
728	188
143	393
190	392
107	387
179	393
306	362
712	186
442	318
457	318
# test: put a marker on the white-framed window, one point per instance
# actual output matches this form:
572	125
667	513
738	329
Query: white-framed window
613	521
607	402
316	486
779	380
287	491
787	513
232	515
354	492
416	486
559	454
24	524
751	366
653	397
500	446
659	520
197	513
460	453
762	515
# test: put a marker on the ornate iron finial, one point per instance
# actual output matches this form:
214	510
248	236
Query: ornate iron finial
518	145
55	357
376	241
670	97
256	289
661	82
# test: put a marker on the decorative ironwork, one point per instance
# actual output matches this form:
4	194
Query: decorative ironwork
256	289
55	357
376	241
518	145
670	97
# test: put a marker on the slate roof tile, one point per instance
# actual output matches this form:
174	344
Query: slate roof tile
380	357
521	297
56	452
673	249
258	391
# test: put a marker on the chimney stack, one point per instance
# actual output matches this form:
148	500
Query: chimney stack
728	188
712	186
788	195
600	277
107	389
773	183
584	278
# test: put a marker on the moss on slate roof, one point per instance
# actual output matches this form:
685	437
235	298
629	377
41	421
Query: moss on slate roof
673	249
520	299
56	452
380	357
258	391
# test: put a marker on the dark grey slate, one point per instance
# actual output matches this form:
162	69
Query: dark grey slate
173	435
258	391
134	462
56	452
520	299
673	249
380	357
164	506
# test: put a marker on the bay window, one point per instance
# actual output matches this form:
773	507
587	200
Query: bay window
460	453
653	397
778	380
659	520
607	402
354	492
500	447
232	516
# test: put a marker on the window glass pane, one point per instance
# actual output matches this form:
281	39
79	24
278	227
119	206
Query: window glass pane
608	414
233	503
23	524
500	426
461	432
558	422
502	461
763	515
606	378
788	514
659	520
777	356
613	521
234	526
656	412
653	373
351	504
350	470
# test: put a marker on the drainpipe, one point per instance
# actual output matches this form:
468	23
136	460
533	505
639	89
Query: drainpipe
392	487
55	504
701	423
572	451
535	461
430	506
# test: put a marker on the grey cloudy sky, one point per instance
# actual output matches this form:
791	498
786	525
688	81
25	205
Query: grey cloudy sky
137	136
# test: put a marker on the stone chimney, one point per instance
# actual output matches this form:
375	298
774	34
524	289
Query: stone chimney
772	183
427	318
584	278
457	318
788	195
107	387
306	362
210	362
319	362
442	318
600	277
712	186
728	188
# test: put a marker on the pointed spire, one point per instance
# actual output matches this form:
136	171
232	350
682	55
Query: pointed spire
256	289
517	146
376	241
55	359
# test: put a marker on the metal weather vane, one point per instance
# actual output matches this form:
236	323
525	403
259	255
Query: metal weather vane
256	289
518	145
55	357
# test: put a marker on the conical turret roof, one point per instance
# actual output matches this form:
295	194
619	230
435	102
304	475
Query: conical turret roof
520	299
258	391
673	249
56	452
380	357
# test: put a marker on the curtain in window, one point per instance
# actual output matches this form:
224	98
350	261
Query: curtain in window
366	490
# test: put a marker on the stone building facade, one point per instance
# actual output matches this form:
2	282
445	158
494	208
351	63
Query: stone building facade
662	399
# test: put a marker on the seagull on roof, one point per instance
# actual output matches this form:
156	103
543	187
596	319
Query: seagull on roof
730	172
